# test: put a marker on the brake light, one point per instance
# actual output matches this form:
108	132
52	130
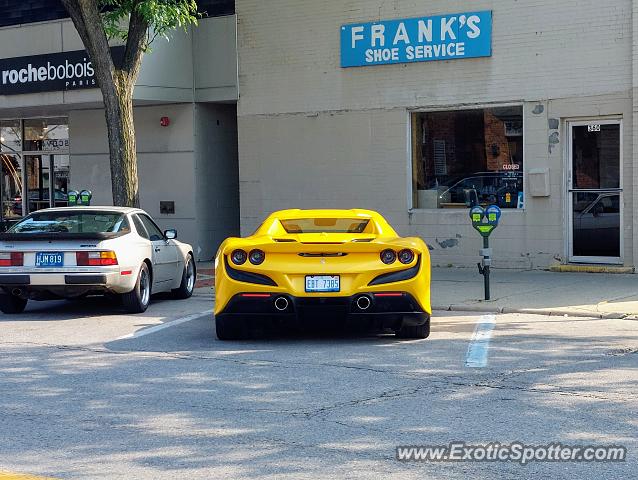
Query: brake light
95	259
11	259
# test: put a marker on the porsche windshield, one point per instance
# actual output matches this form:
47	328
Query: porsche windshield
72	222
325	225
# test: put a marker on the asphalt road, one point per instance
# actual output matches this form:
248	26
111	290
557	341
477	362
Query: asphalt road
87	392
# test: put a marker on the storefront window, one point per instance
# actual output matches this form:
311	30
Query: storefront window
36	169
48	134
463	158
10	136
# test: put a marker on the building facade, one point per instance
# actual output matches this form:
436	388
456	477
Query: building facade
421	109
53	131
416	110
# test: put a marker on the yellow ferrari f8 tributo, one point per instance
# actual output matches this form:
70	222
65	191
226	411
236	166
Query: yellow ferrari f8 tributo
348	265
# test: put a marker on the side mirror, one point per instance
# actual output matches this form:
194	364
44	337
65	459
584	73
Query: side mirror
170	234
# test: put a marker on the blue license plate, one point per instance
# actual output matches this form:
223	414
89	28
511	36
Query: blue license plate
49	259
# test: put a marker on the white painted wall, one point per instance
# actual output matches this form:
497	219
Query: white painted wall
192	162
312	134
166	162
216	176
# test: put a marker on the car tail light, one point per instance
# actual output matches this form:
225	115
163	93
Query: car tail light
11	259
406	256
238	257
388	256
95	259
257	257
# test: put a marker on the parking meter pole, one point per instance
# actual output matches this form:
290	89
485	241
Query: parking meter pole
486	268
485	221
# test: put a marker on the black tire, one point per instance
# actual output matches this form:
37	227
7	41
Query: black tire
230	327
12	304
417	331
189	277
138	299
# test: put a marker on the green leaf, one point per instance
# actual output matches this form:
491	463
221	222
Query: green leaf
162	16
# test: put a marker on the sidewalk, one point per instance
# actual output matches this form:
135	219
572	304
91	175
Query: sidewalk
598	295
532	291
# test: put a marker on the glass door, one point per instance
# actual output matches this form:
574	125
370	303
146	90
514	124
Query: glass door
595	192
11	172
38	189
34	166
46	145
11	186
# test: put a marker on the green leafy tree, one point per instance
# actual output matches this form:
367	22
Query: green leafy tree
136	23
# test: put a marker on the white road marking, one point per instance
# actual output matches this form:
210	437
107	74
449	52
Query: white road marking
157	328
479	346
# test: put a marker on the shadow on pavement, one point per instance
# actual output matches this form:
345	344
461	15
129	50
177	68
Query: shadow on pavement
180	404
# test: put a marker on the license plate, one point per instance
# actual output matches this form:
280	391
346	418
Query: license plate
322	283
49	259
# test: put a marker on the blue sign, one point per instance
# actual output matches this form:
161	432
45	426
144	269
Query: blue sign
424	39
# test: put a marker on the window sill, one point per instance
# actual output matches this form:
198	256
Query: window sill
464	211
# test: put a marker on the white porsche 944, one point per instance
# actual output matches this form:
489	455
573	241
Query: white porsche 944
76	251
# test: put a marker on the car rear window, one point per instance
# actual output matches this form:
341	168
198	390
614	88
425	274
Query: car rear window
325	225
72	222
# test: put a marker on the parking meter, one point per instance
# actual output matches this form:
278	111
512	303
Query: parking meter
73	197
485	221
85	197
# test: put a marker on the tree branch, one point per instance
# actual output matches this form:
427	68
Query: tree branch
135	44
88	22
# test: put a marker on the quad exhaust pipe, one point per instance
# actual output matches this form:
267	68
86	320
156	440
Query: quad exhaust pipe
281	303
363	302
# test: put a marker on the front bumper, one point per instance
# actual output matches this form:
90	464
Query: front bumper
45	285
385	310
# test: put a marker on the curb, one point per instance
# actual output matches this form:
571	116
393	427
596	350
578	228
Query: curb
495	309
546	312
572	268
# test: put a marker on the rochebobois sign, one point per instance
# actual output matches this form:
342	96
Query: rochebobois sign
49	73
422	39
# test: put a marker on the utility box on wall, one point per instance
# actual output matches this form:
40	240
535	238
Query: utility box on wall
538	182
167	207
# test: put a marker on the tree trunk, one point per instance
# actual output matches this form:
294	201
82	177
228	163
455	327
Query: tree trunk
118	110
116	83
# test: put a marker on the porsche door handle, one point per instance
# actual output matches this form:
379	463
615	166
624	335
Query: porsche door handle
157	249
